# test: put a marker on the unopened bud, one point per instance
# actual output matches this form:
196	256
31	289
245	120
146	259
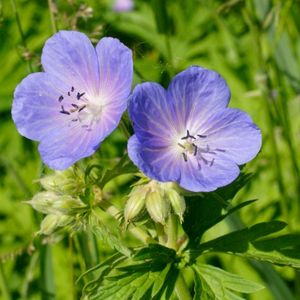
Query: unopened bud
135	203
177	202
51	203
43	201
49	224
157	206
66	181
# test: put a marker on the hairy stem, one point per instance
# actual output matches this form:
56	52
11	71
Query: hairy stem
172	232
52	16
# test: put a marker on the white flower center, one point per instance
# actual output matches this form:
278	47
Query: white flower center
81	109
197	147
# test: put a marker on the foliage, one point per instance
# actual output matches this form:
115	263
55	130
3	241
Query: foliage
255	46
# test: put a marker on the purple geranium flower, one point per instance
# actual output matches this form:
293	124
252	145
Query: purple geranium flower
79	99
123	5
188	134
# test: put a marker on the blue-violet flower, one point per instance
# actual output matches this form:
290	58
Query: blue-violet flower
123	5
187	134
79	99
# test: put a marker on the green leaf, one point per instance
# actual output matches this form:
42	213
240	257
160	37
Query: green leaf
160	280
156	252
203	213
105	234
214	283
250	243
161	15
238	241
143	276
230	281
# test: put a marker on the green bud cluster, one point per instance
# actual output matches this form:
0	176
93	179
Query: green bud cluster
60	201
159	199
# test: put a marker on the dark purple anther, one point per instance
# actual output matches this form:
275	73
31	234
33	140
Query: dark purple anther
180	145
184	156
72	89
69	94
195	149
202	136
81	108
79	95
188	136
60	98
74	105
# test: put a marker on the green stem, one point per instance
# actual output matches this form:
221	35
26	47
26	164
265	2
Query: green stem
135	231
172	232
3	284
88	249
181	289
52	17
169	53
19	25
29	275
46	275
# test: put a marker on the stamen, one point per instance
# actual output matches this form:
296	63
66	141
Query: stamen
180	145
184	156
81	108
75	105
202	136
205	161
212	162
188	136
199	165
69	94
60	98
72	89
195	150
63	111
74	120
220	150
79	95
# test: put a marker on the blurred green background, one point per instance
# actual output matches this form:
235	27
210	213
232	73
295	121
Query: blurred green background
254	44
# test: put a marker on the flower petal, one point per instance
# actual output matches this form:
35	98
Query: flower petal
159	164
35	108
212	175
71	57
233	131
116	71
195	94
151	116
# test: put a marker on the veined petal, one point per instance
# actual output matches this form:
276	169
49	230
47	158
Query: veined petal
217	172
71	57
151	115
195	94
159	164
233	131
115	71
35	108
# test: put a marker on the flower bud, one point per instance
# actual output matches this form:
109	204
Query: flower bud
135	203
177	202
43	201
66	181
157	206
49	224
52	203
